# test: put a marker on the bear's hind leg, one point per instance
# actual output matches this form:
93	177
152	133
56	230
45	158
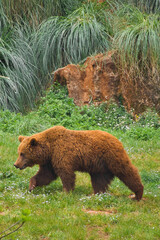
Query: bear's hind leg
100	181
68	180
44	176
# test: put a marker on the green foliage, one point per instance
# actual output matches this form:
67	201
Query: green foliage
8	120
69	32
25	215
5	28
56	108
61	110
16	123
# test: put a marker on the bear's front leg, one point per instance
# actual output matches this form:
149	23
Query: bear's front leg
32	183
44	176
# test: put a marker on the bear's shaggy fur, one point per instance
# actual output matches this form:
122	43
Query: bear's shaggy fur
60	152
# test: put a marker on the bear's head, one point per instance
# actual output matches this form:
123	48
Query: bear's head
31	151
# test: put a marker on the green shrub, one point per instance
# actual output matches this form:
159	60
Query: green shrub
56	108
61	109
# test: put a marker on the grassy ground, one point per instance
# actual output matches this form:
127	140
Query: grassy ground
57	215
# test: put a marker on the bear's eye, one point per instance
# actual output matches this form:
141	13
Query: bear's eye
22	154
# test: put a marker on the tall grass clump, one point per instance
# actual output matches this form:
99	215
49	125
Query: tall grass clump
70	40
137	36
19	81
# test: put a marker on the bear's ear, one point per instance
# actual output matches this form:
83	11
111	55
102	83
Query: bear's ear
33	142
21	138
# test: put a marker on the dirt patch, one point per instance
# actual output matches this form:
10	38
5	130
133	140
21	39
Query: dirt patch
2	213
97	231
132	196
105	212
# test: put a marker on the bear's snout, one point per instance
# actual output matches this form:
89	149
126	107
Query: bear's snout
21	167
15	165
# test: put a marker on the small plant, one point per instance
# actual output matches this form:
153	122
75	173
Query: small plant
19	224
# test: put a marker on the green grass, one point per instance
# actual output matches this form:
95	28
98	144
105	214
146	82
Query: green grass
57	215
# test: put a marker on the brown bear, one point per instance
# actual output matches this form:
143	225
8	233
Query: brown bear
60	152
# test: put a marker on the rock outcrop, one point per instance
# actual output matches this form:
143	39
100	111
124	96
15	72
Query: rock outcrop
96	81
100	79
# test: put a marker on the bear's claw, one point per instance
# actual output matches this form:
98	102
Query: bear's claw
32	184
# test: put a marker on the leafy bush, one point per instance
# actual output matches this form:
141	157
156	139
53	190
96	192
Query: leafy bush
61	109
56	108
8	120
